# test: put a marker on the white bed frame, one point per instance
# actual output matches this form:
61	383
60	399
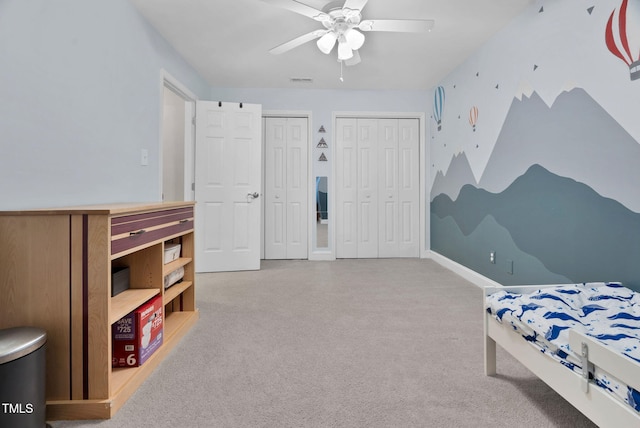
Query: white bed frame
594	402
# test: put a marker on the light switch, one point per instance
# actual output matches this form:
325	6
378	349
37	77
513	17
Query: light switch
144	157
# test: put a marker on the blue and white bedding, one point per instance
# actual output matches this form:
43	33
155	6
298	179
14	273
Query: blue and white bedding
608	312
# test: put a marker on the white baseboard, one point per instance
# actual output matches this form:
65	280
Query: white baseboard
468	274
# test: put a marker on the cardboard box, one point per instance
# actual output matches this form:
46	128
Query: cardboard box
136	336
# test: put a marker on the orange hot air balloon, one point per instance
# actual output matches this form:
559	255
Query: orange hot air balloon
473	117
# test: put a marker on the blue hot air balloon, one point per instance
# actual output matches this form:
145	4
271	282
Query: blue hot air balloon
438	106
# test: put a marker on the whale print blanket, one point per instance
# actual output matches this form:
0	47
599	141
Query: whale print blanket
608	312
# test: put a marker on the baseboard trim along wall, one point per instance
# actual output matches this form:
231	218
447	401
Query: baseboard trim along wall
468	274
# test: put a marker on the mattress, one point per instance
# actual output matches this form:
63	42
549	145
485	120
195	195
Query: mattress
608	312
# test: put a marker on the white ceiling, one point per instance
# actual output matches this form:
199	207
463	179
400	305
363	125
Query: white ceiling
228	41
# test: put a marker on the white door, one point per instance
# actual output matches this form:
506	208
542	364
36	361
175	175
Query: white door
388	185
377	173
228	179
399	209
367	208
347	189
286	175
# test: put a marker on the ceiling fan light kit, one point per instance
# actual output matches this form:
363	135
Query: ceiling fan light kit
344	25
327	42
344	50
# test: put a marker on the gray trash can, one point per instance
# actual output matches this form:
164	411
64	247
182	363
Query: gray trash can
22	377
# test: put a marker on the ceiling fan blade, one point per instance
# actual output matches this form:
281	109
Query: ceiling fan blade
354	4
300	8
355	59
399	25
297	42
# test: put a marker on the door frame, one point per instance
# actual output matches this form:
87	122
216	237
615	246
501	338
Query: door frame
304	114
170	82
423	176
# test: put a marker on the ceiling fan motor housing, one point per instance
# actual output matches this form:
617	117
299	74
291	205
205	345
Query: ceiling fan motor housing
340	20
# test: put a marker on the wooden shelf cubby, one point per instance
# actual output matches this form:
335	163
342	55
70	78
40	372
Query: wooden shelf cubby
56	274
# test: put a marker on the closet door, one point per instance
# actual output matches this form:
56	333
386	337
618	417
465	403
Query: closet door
297	189
388	187
408	188
285	198
367	209
377	176
347	189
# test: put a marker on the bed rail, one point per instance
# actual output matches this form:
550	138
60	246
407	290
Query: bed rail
593	401
600	355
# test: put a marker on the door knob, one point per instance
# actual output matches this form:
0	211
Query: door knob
253	195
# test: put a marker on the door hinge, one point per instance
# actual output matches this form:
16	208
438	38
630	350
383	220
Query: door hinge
193	186
193	120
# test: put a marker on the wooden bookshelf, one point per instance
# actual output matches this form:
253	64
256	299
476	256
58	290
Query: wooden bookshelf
57	266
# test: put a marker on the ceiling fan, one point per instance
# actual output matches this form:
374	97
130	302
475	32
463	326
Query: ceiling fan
344	26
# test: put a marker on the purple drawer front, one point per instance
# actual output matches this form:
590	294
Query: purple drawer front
163	224
137	222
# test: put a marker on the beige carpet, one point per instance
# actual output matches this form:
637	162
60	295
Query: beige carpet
361	343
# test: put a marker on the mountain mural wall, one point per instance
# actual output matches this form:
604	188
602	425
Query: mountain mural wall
557	201
567	230
575	137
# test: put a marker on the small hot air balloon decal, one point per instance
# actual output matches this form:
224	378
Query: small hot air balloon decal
438	106
622	35
473	117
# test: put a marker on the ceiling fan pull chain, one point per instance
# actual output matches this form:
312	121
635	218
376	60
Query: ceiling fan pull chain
341	79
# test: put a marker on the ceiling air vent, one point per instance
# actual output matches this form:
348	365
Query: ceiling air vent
301	80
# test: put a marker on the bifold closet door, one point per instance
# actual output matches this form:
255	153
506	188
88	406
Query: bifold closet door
377	173
347	188
285	198
398	175
367	187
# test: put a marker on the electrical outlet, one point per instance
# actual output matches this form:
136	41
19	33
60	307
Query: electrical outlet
492	257
144	157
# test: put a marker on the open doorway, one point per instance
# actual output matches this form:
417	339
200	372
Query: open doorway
177	141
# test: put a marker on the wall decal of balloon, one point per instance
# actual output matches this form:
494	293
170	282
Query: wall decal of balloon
438	106
473	117
622	35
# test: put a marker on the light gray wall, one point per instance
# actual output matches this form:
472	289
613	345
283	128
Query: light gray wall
80	91
323	104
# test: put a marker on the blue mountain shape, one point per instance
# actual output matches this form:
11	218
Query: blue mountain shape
571	229
472	251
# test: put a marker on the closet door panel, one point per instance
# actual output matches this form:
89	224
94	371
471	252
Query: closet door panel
388	187
367	183
347	189
296	183
408	188
275	192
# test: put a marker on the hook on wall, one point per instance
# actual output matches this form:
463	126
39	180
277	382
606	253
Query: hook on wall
219	103
240	105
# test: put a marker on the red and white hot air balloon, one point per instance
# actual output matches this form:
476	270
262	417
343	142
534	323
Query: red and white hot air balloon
473	117
622	35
